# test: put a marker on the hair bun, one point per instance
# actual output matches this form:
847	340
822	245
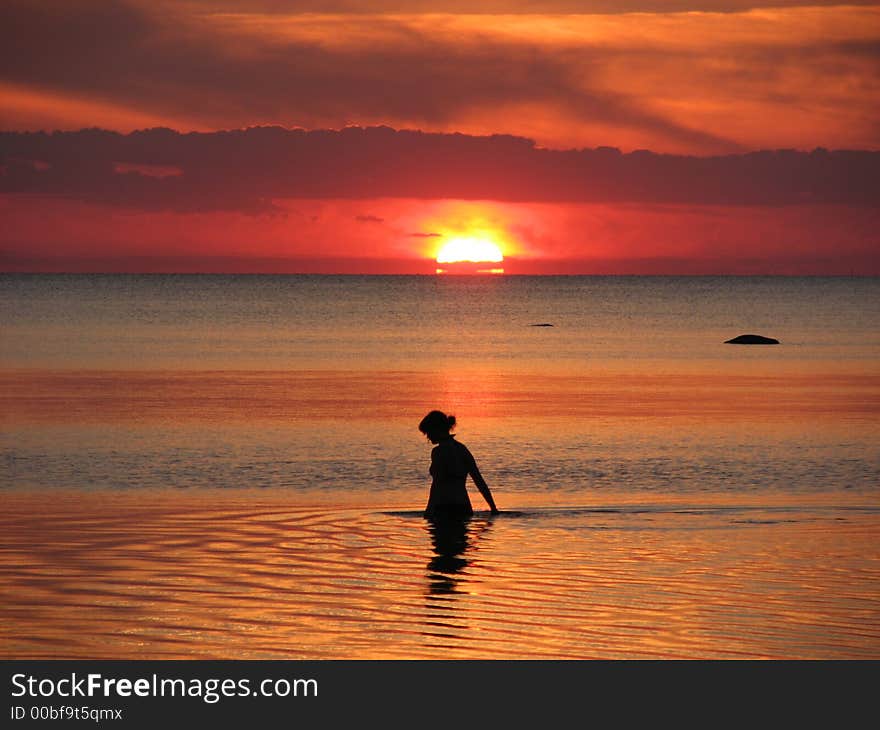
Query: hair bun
436	422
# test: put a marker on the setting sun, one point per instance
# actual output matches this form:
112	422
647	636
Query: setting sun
472	249
464	251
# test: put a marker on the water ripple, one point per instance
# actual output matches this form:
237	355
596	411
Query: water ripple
198	579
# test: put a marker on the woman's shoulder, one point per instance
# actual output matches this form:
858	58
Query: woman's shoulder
450	446
461	448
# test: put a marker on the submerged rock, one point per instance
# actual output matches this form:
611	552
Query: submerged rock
751	340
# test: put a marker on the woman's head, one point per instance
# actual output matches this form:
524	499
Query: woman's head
436	425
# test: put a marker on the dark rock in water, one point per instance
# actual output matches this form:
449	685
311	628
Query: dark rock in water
751	340
541	324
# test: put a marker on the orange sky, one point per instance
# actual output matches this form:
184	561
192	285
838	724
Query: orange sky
698	78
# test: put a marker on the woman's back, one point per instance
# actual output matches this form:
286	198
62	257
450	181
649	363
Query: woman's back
451	462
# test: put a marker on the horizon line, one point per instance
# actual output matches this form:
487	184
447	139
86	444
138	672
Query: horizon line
446	275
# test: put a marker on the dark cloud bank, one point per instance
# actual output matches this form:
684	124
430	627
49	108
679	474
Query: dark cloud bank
247	170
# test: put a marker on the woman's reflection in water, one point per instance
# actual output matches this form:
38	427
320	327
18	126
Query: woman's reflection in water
453	538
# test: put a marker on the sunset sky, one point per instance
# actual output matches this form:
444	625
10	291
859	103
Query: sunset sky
591	136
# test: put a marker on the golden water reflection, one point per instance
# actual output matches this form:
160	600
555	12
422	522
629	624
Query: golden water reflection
237	576
87	396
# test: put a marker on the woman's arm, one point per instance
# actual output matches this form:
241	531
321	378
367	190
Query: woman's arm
482	486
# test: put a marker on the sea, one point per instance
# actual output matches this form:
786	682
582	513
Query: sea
230	467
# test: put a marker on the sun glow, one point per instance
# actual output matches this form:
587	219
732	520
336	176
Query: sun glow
470	249
470	254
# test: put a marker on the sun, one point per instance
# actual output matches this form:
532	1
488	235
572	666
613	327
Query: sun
469	248
463	251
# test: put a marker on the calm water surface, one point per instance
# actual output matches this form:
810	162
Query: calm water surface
229	466
430	323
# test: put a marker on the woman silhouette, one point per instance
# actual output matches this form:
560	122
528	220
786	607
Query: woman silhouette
451	462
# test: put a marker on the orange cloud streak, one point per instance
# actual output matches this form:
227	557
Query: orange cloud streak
690	82
24	107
